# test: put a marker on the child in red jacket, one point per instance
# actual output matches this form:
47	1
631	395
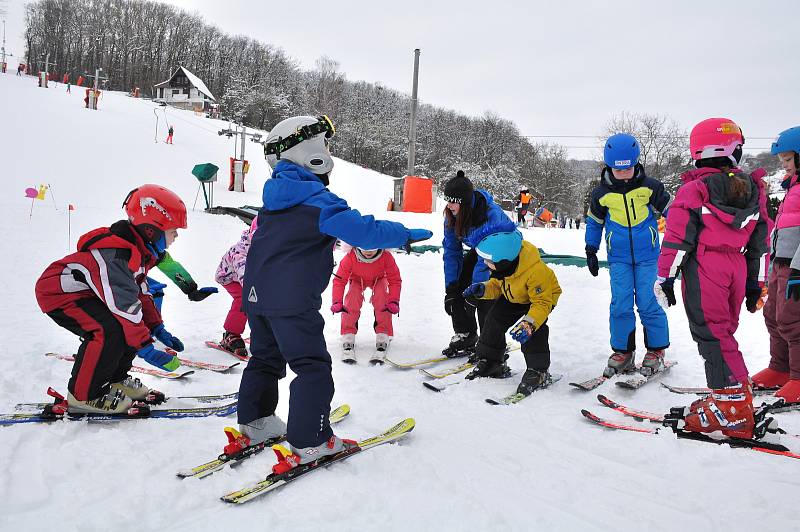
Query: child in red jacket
374	269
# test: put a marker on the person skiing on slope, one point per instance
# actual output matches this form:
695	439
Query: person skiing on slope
521	286
169	135
716	235
782	310
100	293
361	269
624	204
230	274
288	267
467	212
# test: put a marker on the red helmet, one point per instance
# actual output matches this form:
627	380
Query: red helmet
155	206
715	137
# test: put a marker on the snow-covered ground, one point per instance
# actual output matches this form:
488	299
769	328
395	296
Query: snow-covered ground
468	466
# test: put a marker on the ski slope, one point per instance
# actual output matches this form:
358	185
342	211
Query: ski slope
468	465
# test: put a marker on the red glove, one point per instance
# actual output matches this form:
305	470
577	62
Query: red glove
393	307
337	307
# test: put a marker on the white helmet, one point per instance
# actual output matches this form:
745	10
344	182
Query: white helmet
302	140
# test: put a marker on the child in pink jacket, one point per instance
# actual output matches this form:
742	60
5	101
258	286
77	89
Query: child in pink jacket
716	235
230	273
361	269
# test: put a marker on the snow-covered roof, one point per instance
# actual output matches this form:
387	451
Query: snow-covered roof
194	80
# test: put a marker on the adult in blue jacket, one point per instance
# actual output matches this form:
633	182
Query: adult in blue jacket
625	204
468	210
288	267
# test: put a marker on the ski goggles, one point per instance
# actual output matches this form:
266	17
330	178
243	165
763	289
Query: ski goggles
322	125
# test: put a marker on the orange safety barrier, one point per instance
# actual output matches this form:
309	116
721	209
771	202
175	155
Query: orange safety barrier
417	194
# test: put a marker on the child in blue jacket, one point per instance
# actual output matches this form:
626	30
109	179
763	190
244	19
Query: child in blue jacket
625	204
289	265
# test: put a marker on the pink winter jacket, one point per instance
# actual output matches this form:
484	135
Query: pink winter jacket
700	217
367	273
231	267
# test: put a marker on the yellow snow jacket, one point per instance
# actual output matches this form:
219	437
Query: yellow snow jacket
533	282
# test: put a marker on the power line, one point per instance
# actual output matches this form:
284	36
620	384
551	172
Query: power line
600	137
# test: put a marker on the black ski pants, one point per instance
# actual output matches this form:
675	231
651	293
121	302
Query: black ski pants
492	342
463	313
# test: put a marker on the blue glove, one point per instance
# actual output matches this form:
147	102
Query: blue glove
520	333
475	290
416	235
199	294
166	338
159	359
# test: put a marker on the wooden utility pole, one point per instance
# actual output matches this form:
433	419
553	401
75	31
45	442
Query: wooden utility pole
412	133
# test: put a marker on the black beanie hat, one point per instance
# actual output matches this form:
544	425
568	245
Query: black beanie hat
459	189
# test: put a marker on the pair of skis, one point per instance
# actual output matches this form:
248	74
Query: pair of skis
173	408
274	480
641	415
632	383
223	460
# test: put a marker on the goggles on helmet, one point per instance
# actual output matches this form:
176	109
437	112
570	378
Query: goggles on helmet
322	125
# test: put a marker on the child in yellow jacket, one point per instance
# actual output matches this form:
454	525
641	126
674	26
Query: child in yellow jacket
525	291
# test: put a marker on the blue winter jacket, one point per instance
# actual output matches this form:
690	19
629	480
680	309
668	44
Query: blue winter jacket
626	209
290	260
485	211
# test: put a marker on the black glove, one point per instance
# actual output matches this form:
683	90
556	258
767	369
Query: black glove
591	261
452	297
752	295
200	294
793	285
667	287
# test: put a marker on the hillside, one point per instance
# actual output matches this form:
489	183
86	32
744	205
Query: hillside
535	466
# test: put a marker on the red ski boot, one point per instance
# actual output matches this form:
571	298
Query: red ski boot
237	442
769	378
790	392
729	410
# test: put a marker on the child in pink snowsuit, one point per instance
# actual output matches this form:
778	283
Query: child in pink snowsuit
230	273
782	310
716	234
362	269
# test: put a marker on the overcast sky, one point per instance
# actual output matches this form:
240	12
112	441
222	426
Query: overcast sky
553	67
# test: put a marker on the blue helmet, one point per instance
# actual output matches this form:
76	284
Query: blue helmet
502	246
788	140
621	151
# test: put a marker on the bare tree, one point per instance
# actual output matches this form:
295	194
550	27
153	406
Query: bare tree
664	143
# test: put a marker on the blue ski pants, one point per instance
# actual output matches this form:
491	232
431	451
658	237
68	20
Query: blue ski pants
634	283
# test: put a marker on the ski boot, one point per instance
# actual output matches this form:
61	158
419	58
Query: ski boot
790	392
461	343
620	362
112	402
381	345
729	410
769	378
293	457
653	362
254	434
234	343
349	348
531	381
133	388
489	368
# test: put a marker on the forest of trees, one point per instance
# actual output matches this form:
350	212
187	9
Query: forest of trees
139	43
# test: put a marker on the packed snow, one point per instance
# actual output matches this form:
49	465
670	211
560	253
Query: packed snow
537	465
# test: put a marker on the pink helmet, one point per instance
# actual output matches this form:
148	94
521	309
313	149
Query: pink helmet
715	137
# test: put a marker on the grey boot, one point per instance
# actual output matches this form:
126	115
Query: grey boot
334	445
263	429
620	363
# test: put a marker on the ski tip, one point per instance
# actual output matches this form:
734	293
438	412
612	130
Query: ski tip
430	386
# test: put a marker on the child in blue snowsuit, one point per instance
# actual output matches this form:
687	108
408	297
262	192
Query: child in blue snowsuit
625	204
289	265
